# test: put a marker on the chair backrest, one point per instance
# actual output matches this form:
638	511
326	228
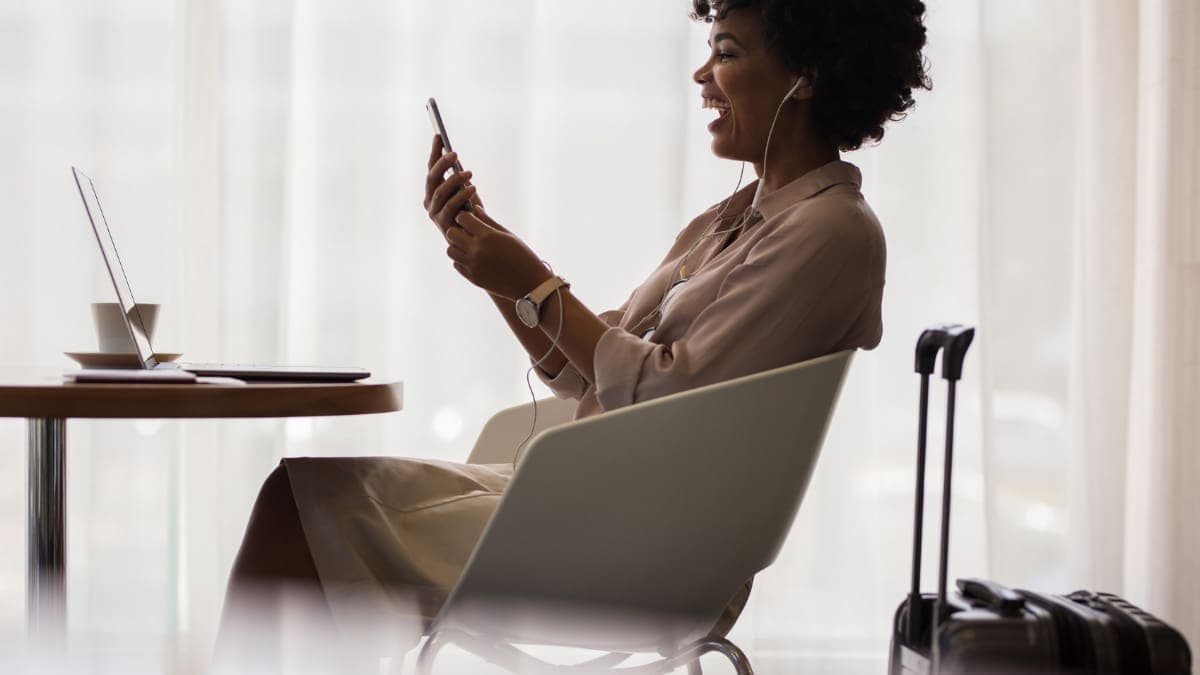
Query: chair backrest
632	529
503	433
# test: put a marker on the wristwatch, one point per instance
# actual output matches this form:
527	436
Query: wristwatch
529	308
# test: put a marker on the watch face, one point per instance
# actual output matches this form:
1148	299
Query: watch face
527	312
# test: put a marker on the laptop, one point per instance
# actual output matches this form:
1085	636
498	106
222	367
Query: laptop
139	336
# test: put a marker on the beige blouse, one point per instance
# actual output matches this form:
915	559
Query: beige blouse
804	280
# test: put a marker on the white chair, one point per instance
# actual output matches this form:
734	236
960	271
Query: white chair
499	438
629	531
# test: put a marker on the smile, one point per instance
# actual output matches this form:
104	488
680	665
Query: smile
721	106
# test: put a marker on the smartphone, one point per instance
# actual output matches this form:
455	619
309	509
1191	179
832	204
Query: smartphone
435	118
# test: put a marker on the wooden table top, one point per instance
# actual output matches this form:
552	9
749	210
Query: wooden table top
43	394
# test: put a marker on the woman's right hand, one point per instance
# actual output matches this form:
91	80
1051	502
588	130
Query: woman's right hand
445	197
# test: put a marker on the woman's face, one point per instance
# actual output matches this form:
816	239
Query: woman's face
743	82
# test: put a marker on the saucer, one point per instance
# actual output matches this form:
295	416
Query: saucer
116	360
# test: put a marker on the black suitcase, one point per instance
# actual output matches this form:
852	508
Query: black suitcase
987	628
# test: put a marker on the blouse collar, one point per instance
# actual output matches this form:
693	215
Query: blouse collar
808	185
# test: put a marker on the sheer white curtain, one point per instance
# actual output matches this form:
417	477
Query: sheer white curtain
261	166
1136	369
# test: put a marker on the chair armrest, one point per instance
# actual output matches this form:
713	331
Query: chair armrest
503	433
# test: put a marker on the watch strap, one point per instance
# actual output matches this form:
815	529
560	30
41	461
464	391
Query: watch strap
544	289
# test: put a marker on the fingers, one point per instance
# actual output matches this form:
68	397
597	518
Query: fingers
437	174
462	269
456	254
443	164
455	203
470	222
491	221
457	238
448	187
436	152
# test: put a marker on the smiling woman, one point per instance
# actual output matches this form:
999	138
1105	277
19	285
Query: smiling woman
785	270
863	58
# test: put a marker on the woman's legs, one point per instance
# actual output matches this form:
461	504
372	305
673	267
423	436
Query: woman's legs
273	583
274	549
385	589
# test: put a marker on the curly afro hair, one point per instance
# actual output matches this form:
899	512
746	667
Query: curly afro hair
866	54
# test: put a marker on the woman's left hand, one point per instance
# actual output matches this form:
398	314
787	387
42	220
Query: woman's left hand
492	258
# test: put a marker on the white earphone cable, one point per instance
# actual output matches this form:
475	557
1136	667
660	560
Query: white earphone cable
528	383
767	150
683	260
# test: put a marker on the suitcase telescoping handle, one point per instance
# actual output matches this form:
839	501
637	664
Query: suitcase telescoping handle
952	340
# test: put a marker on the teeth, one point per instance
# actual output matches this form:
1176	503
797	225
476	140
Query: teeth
715	104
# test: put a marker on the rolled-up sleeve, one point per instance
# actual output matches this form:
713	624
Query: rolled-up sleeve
795	296
569	383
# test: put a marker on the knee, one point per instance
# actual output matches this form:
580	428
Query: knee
277	480
274	497
272	528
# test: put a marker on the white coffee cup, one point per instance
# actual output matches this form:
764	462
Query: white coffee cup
112	335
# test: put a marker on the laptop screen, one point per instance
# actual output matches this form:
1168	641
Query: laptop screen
116	271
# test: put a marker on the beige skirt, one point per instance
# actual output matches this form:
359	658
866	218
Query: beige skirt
391	536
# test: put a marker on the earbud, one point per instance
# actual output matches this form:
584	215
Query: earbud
801	81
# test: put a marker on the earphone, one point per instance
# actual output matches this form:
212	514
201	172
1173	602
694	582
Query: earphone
801	81
752	211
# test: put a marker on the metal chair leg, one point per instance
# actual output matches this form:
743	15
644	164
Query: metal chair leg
498	653
716	644
433	644
514	660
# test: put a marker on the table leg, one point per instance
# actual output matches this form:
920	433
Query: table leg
45	585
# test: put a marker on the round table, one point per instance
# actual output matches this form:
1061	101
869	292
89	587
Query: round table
47	403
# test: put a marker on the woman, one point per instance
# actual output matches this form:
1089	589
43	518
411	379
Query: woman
784	270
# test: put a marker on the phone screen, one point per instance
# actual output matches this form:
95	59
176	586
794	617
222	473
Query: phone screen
435	118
